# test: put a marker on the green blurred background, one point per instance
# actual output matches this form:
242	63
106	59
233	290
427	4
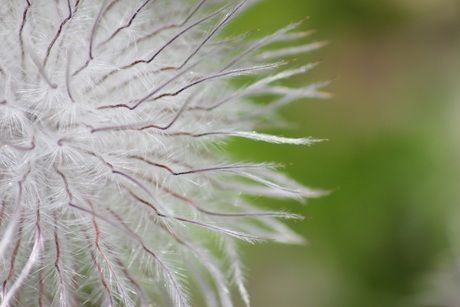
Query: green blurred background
390	159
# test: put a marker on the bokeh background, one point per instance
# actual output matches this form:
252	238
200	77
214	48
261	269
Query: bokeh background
385	233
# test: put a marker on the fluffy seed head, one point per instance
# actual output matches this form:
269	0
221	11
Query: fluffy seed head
112	189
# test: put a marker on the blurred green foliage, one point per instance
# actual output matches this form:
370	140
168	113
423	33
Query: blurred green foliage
389	162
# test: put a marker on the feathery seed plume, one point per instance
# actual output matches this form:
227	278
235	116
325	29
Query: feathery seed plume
114	189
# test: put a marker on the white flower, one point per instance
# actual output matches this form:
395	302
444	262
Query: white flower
114	189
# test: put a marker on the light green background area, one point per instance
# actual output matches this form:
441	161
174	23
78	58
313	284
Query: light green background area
390	161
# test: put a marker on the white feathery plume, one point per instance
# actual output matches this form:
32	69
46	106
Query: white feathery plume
110	178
